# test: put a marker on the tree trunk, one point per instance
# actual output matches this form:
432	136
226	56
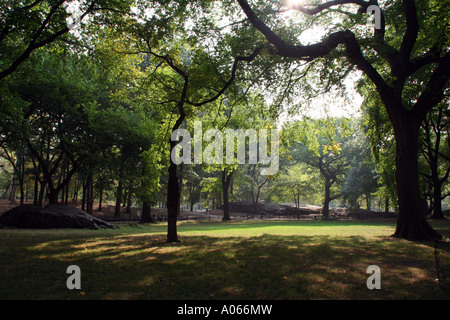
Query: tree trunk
21	179
146	213
41	192
83	197
14	183
100	200
411	223
52	196
118	199
226	179
90	201
326	202
173	202
368	202
129	202
67	188
36	190
192	202
386	205
437	196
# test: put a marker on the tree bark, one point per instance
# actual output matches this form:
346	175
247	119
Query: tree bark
36	190
411	223
42	184
146	213
83	197
129	202
326	202
118	199
226	179
437	196
173	202
14	183
67	187
368	202
52	196
100	201
90	201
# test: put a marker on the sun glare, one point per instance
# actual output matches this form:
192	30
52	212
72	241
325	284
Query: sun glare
294	3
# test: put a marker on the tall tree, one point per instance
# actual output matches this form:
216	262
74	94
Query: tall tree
54	126
436	155
192	77
319	143
361	179
412	36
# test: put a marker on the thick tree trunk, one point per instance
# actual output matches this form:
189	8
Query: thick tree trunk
52	196
173	185
411	223
173	202
146	213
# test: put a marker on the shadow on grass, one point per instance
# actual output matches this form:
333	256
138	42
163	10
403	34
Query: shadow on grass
267	266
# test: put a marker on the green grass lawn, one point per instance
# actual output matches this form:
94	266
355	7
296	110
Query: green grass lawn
220	260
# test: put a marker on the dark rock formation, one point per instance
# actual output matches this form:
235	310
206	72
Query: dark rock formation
53	216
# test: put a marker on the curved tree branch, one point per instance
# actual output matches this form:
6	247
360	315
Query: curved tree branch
412	29
323	48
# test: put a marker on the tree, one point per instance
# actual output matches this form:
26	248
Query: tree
379	132
361	178
27	26
436	155
298	182
191	79
54	126
245	111
318	143
418	41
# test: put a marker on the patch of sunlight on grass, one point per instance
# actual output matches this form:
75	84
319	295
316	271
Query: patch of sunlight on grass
223	260
287	228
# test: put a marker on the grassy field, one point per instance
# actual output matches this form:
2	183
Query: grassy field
220	260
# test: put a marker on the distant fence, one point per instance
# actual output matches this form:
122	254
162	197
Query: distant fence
213	217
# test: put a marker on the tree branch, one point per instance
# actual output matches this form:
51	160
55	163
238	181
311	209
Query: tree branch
412	29
34	44
323	48
434	90
238	59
